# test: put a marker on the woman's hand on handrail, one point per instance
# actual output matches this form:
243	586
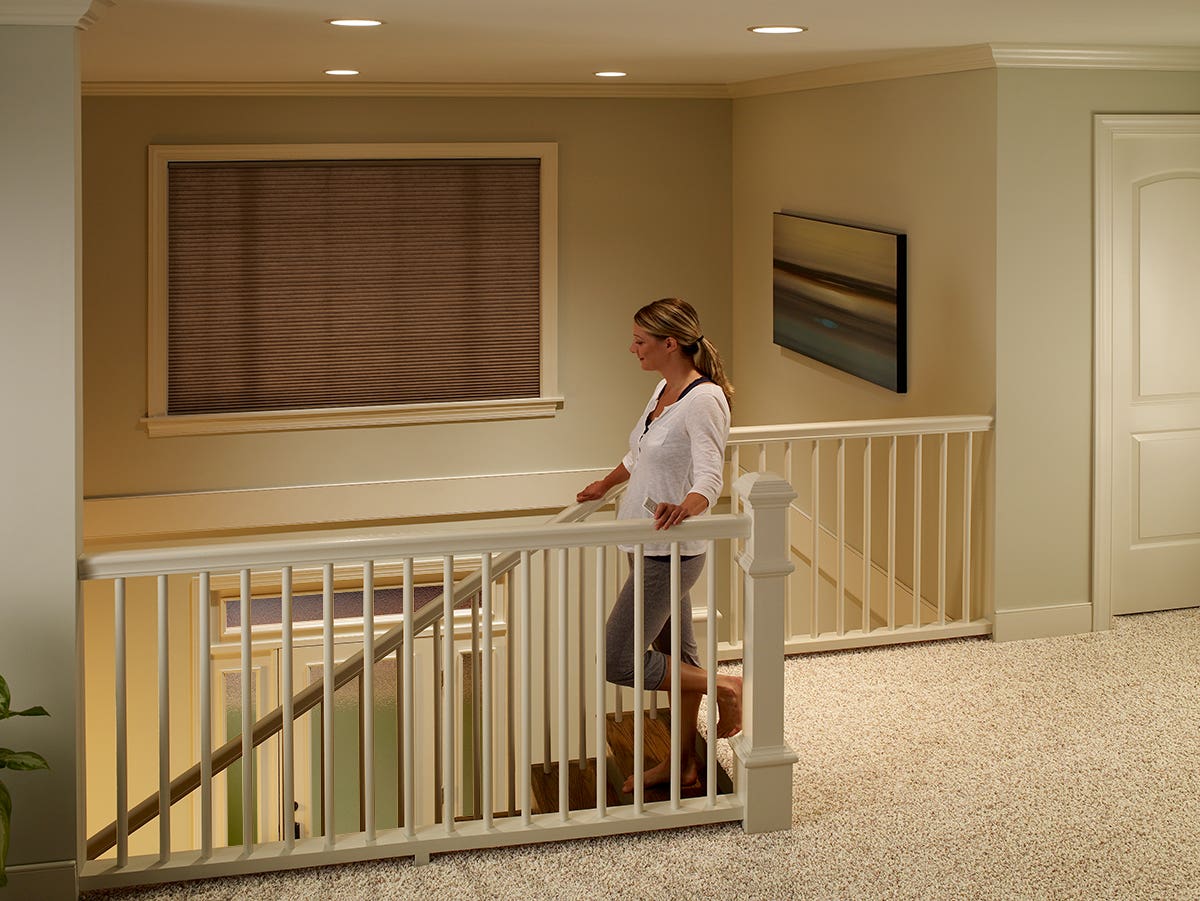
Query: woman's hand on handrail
667	515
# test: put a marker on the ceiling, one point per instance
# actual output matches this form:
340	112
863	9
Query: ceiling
680	42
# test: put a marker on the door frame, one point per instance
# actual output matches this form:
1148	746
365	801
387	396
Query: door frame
1107	128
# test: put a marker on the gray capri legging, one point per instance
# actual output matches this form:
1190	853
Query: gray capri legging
619	650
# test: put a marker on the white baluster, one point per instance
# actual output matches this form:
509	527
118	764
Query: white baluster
204	655
787	610
581	653
526	689
164	724
546	750
510	621
486	792
918	503
891	564
247	679
815	559
735	629
448	691
327	804
285	688
410	829
476	721
841	537
943	516
968	485
866	589
676	651
122	718
639	676
368	699
710	564
601	719
564	763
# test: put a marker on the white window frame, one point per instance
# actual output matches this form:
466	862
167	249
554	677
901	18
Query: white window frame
158	423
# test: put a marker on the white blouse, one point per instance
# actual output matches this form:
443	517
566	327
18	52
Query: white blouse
683	451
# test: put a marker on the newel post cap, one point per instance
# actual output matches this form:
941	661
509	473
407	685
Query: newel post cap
764	490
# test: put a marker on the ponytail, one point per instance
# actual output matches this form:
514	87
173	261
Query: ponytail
671	317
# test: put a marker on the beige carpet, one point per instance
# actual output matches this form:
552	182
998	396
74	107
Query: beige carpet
1050	769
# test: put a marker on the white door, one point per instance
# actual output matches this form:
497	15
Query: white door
1148	363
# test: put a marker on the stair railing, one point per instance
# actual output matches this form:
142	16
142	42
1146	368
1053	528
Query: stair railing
241	555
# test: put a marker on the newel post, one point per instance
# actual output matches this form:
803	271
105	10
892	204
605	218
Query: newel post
764	758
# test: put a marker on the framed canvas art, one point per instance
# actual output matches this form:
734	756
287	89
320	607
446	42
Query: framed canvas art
840	297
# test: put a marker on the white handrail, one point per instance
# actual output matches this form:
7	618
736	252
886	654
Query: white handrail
392	543
863	428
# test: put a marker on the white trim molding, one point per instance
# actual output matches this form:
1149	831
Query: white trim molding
1083	57
164	426
935	62
1042	622
71	13
158	422
398	89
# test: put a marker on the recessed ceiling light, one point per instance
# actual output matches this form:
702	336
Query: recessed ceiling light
777	29
610	74
355	23
341	71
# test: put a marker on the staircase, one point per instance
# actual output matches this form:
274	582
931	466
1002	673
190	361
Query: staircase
618	766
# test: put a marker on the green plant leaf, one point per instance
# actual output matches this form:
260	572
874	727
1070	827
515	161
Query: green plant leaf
22	760
5	697
29	711
5	820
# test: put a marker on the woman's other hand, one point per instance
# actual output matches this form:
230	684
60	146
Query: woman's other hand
667	515
592	492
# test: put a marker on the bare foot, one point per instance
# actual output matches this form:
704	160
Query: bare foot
660	774
729	706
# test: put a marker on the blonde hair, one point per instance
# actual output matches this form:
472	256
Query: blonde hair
671	317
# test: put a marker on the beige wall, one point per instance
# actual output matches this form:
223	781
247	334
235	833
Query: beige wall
1044	321
916	155
39	450
644	207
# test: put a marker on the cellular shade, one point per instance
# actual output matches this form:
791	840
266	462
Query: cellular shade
313	284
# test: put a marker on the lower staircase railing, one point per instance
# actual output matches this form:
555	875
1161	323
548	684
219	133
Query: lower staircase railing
430	746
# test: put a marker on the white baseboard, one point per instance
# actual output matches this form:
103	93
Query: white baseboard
45	881
1042	622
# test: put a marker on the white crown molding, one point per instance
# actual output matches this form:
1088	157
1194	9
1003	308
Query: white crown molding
74	13
1084	57
382	89
978	56
934	62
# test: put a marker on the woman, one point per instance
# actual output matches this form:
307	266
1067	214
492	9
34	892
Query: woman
674	466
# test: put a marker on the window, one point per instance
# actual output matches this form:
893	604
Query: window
313	286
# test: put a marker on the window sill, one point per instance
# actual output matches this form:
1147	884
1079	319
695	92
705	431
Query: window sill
164	426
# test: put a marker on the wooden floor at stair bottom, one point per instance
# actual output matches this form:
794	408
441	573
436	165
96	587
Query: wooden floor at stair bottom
581	784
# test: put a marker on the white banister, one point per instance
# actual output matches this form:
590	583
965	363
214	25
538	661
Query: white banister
764	758
923	425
